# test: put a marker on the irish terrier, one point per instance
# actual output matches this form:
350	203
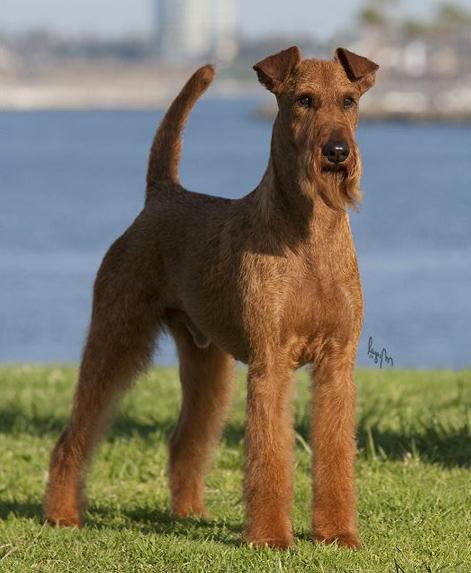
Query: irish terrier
270	279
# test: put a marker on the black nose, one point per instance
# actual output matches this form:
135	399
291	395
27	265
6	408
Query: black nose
336	151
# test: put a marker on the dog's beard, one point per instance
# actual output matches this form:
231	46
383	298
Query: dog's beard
339	187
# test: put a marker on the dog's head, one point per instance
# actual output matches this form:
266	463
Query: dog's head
318	115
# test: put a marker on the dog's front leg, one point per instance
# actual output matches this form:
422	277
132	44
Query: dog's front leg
269	456
333	443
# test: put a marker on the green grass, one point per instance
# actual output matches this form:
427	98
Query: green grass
414	481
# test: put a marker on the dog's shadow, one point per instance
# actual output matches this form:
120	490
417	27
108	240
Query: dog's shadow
434	444
20	509
160	521
449	447
154	521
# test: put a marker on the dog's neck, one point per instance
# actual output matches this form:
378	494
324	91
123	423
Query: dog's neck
289	197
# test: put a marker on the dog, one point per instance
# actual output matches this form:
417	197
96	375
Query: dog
270	279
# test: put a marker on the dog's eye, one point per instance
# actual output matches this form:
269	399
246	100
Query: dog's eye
348	103
305	101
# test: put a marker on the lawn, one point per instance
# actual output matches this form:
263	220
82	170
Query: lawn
414	481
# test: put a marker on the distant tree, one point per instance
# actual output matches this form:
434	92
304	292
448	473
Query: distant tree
376	13
452	14
416	28
372	17
383	15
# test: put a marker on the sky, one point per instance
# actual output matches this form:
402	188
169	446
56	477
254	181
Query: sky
117	17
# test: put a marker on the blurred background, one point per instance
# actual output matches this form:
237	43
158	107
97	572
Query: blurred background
83	85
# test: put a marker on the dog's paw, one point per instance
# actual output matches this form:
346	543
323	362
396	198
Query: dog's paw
60	520
263	537
345	539
274	543
186	510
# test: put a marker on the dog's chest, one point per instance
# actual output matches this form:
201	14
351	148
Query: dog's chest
301	305
275	302
320	305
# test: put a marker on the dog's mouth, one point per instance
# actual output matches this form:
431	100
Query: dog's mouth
332	169
328	168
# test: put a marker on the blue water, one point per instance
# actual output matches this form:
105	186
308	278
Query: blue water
70	182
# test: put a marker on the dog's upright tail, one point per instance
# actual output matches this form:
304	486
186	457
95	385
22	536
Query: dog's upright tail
166	147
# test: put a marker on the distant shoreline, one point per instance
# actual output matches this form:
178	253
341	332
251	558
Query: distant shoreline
259	113
104	85
160	102
111	85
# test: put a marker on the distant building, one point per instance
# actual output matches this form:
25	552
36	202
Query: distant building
196	29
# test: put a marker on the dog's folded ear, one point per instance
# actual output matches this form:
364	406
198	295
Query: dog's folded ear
359	70
274	70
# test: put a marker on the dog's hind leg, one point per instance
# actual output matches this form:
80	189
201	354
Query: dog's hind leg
120	344
206	376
